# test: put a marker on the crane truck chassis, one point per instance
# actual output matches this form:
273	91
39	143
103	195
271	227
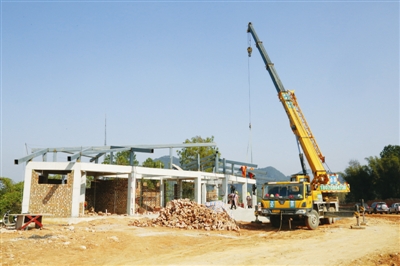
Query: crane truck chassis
302	199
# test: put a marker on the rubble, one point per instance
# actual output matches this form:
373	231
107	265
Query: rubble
186	214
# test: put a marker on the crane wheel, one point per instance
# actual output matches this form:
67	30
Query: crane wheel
312	220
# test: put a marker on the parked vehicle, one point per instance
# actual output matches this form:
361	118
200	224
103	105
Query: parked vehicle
395	208
366	207
378	207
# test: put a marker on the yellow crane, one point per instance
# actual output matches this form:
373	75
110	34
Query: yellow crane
301	198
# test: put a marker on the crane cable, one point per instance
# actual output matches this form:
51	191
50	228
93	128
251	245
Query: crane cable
249	145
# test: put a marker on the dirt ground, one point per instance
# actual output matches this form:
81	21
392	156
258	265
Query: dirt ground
113	241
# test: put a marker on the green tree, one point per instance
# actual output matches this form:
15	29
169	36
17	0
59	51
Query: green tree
10	195
361	182
153	164
386	175
379	179
390	150
121	158
151	184
190	154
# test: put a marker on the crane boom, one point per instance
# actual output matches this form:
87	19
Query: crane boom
298	123
267	61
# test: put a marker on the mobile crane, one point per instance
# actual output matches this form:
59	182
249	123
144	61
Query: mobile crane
300	199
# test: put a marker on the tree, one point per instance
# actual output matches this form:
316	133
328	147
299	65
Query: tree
190	154
151	184
390	150
361	182
121	158
10	195
380	179
153	164
386	174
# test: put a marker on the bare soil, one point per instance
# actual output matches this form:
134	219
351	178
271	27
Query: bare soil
113	241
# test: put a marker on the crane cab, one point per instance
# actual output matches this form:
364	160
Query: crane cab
300	178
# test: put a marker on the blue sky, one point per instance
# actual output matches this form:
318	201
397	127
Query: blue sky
163	72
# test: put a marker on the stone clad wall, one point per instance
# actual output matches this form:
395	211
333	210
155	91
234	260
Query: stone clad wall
55	199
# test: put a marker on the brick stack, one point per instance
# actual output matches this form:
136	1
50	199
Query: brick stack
186	214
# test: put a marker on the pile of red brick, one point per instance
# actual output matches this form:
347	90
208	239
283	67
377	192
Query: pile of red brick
186	214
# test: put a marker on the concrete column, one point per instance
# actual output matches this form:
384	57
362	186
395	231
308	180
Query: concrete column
76	189
83	192
203	193
197	189
162	192
27	188
225	189
131	205
244	194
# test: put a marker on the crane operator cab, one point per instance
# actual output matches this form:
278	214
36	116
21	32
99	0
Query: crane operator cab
300	178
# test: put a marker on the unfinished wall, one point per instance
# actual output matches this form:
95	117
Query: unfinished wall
55	199
111	195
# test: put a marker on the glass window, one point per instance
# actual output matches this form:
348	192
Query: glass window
287	191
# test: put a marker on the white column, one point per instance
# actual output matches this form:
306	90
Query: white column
131	205
197	189
83	192
27	188
203	193
76	189
162	192
225	189
244	194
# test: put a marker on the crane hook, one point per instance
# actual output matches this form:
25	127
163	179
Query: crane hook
249	50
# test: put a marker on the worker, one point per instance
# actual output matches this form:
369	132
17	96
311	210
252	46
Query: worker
234	198
251	175
232	189
249	201
243	168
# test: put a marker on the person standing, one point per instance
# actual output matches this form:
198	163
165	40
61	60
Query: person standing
234	198
249	201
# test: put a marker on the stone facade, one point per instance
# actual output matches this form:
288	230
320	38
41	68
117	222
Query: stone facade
55	199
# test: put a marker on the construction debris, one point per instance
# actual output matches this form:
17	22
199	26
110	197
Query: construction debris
186	214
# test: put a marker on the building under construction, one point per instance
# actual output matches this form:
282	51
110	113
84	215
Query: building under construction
122	189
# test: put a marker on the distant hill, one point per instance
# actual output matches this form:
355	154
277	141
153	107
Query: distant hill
272	174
